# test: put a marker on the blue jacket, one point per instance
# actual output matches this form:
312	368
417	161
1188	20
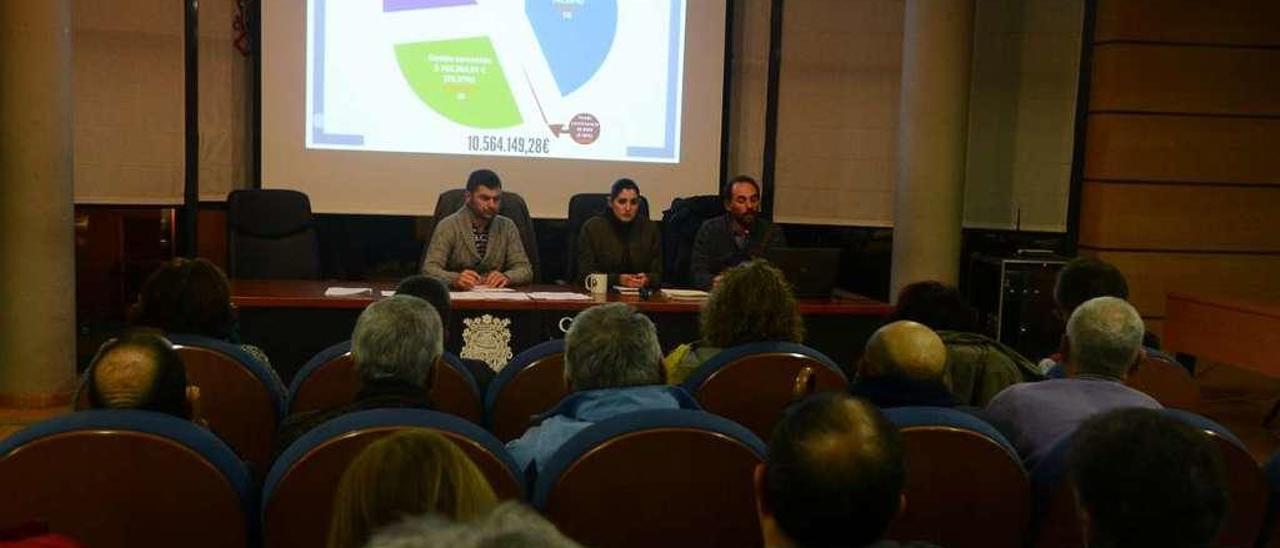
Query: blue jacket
582	409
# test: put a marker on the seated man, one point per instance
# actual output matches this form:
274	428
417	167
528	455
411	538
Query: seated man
437	294
612	365
1103	341
475	246
141	370
395	344
1145	479
735	237
834	475
905	363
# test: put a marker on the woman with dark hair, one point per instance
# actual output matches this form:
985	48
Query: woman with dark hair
620	242
752	303
412	472
190	296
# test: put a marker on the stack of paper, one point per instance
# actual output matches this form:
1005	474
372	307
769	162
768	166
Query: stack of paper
558	296
348	292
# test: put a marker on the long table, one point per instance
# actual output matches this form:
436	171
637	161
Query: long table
292	320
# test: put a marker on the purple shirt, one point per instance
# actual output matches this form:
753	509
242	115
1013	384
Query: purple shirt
1033	415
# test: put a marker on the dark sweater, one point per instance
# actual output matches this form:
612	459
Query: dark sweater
382	394
715	249
614	247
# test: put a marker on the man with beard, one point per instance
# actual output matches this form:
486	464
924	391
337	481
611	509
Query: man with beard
735	237
476	247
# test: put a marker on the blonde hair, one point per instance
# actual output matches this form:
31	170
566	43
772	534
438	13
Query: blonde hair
752	303
411	472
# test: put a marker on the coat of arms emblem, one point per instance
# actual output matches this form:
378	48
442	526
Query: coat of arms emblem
487	339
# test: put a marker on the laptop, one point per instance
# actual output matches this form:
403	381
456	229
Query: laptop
811	270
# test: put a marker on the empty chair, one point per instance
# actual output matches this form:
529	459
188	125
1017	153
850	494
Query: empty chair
752	383
297	496
531	383
116	478
512	207
680	224
655	478
965	483
1169	383
241	398
329	380
271	235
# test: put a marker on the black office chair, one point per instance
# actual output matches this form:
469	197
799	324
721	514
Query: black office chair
680	224
582	207
512	207
271	235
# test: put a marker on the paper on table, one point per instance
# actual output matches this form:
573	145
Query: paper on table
558	296
487	296
388	292
684	293
348	292
487	289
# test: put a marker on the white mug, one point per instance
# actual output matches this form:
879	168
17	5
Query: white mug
597	284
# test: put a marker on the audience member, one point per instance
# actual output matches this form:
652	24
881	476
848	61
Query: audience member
905	363
140	369
834	475
620	242
613	365
509	525
475	246
735	237
1104	341
1145	479
437	294
1085	278
395	344
978	367
752	303
406	474
190	296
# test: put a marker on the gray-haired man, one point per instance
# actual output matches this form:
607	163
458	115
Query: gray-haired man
395	344
613	365
1104	341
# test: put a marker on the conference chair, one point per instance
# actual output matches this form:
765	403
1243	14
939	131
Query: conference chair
297	496
1169	383
1059	522
512	207
754	382
531	383
581	208
965	483
271	235
124	478
669	477
241	398
1246	485
328	380
1271	526
680	224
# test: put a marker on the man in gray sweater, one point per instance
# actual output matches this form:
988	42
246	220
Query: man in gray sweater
476	247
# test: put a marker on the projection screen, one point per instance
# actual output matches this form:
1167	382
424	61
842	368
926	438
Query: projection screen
378	106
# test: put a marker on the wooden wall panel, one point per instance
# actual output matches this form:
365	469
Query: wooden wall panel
1155	325
1202	149
1237	22
211	236
1152	275
1191	80
1175	217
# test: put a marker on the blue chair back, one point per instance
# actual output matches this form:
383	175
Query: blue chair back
127	478
240	397
531	383
298	493
646	478
1246	484
753	383
965	483
1271	527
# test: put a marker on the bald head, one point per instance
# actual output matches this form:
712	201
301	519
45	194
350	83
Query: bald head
139	370
834	475
906	349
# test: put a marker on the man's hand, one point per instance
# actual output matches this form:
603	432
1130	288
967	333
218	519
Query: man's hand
467	279
496	279
633	280
716	280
